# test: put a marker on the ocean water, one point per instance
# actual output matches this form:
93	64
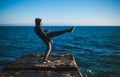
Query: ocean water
94	48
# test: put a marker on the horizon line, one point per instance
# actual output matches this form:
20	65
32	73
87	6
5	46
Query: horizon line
52	25
60	25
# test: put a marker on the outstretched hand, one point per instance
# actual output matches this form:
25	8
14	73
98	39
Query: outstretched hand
47	30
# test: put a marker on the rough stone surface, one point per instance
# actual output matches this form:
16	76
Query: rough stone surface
61	65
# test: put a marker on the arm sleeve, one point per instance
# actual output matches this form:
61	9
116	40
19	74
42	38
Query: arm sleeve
47	30
45	37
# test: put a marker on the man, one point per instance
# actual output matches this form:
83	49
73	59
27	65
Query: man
47	37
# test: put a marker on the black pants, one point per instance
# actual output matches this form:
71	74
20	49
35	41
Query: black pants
48	44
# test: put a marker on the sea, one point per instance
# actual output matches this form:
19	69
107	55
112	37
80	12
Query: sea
96	48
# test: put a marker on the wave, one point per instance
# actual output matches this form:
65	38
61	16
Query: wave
5	59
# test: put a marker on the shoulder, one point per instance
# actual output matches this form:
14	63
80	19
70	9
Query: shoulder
37	28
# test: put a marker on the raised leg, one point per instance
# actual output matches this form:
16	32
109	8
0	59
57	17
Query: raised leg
57	33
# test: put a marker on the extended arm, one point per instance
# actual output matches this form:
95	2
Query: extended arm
47	30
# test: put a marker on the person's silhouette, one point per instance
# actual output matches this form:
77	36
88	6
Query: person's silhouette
47	37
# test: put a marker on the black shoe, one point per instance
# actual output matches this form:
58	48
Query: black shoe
72	29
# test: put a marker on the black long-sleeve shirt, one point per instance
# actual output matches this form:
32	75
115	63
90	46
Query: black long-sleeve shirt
41	33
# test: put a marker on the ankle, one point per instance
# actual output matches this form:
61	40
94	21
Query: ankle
71	29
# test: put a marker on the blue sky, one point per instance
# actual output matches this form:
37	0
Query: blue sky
60	12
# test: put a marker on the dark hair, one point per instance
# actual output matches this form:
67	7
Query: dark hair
37	21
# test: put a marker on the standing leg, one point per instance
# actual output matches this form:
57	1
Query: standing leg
57	33
47	53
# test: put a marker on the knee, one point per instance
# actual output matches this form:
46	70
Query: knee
49	46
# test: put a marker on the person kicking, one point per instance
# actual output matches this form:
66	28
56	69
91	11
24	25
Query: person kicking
47	37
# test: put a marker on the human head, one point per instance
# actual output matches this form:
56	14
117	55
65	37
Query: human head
38	21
